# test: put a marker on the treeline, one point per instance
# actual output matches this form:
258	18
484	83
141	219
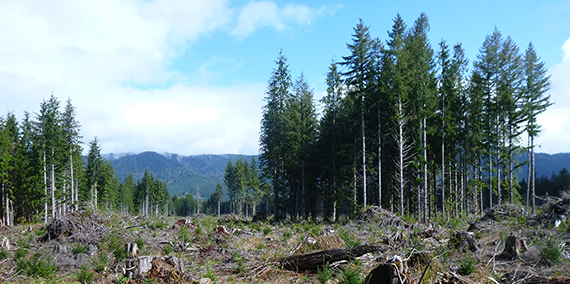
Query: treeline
404	126
555	185
43	173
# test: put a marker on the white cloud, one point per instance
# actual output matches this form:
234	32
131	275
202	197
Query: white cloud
555	135
94	51
259	14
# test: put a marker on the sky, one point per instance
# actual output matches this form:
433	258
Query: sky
189	77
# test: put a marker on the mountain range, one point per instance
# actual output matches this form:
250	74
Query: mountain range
199	174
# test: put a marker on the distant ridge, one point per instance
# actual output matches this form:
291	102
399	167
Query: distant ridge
201	173
181	174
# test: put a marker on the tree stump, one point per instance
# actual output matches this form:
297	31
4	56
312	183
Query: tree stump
464	241
389	273
513	247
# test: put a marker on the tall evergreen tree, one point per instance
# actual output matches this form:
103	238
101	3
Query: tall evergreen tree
359	77
272	152
93	172
535	101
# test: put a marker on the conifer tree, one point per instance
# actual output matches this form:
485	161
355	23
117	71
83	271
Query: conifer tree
358	78
272	137
93	171
535	101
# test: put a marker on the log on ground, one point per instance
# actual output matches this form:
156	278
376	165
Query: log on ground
319	258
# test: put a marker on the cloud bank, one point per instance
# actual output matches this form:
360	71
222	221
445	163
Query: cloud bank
97	52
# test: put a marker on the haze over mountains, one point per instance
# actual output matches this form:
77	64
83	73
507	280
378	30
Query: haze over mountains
199	174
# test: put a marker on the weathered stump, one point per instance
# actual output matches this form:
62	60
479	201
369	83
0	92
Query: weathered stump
464	241
513	247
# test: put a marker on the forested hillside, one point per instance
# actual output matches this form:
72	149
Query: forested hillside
181	174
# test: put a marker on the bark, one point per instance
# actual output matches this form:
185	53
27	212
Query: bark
363	156
317	259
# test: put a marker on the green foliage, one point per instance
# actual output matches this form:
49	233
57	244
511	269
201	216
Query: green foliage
20	253
267	230
324	274
255	226
349	238
116	246
140	242
211	274
240	261
550	252
100	262
468	265
37	266
158	224
79	248
166	250
184	235
85	275
351	275
286	236
3	254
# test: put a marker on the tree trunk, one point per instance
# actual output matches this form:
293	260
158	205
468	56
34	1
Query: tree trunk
379	160
424	137
401	157
45	191
533	178
363	156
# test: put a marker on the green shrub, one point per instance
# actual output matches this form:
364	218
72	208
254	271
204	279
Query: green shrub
78	248
324	274
468	265
100	262
3	254
85	275
157	224
550	252
240	260
349	239
117	247
267	230
37	266
167	250
255	226
287	235
351	275
140	242
183	234
20	253
211	274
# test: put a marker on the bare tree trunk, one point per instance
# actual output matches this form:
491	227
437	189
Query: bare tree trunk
379	160
424	142
52	189
72	188
528	181
533	178
363	155
45	191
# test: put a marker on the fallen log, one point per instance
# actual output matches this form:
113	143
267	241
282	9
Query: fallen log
319	258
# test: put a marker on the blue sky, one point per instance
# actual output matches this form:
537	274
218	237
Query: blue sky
189	77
